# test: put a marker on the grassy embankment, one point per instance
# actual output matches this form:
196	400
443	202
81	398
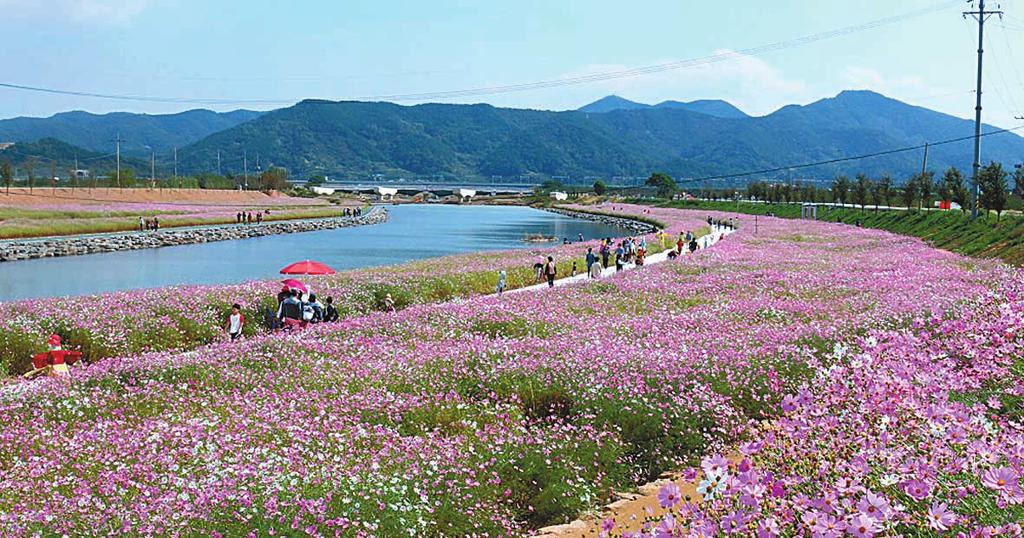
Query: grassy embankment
18	223
985	237
184	318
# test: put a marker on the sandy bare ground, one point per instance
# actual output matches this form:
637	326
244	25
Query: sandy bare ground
21	197
630	512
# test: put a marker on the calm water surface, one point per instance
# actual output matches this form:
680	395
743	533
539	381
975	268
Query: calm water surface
413	232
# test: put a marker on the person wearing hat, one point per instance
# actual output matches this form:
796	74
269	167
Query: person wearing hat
389	303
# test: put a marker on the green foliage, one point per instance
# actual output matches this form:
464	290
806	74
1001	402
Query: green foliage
953	180
992	180
274	179
861	190
600	188
909	194
664	183
840	189
6	173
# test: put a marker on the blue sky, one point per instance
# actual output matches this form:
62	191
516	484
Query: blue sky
281	51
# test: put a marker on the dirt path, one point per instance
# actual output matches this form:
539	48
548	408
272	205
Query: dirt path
630	513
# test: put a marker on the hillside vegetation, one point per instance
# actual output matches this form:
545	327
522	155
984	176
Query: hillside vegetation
956	231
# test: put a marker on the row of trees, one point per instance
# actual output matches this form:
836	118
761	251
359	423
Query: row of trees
273	178
919	191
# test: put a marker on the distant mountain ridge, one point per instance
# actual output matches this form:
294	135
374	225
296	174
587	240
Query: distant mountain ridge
96	132
711	107
452	142
359	140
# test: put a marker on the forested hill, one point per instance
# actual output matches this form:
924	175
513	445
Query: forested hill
96	132
359	139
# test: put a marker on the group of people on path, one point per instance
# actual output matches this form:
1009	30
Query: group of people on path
248	217
149	224
628	250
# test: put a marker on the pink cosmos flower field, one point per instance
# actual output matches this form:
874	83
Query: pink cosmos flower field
862	383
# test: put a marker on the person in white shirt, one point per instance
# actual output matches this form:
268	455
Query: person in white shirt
235	322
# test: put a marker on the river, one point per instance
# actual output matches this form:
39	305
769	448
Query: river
413	232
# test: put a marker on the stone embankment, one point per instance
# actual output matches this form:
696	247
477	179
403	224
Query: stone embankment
633	225
26	249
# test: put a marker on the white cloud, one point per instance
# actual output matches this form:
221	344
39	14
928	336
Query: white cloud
747	81
80	11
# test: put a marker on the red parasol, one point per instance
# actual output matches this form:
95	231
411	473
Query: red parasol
293	284
307	267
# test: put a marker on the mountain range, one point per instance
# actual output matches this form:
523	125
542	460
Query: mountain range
613	138
711	107
96	132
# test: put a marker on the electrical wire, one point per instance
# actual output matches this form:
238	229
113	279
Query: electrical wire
844	159
546	84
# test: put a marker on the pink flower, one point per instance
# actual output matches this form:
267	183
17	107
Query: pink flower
1000	479
939	517
917	490
608	524
669	495
874	506
862	526
716	465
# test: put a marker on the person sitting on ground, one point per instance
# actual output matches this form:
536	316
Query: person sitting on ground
283	294
235	321
290	308
672	255
389	303
318	308
330	312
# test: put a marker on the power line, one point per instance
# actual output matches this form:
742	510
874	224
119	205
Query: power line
545	84
845	159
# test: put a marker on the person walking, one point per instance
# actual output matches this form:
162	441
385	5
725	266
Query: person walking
620	255
235	322
605	253
502	282
550	271
142	224
595	270
156	223
693	245
591	258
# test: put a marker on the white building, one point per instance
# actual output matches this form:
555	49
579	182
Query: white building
560	196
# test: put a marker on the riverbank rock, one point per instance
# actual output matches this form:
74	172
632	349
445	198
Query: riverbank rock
49	247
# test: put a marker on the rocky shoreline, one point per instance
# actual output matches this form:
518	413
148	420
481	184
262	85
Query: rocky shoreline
27	249
636	226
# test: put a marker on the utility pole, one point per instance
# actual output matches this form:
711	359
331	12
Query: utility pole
924	165
117	145
981	15
218	163
245	170
74	174
152	168
176	166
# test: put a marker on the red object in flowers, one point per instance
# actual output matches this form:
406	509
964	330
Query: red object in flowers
308	267
292	284
51	358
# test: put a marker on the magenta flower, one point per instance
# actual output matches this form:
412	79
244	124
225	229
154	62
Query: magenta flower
608	524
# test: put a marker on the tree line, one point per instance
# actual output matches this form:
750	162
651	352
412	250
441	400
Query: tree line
919	191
